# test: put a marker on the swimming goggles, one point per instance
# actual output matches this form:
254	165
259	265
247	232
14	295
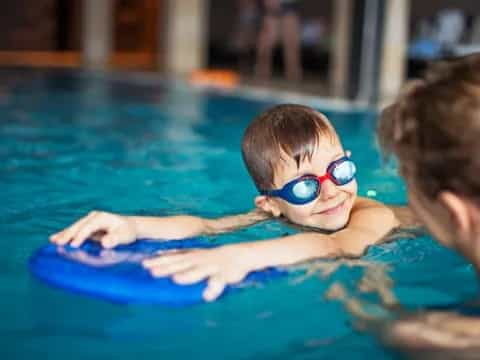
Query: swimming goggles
306	188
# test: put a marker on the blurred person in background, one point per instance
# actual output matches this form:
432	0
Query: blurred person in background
245	32
280	18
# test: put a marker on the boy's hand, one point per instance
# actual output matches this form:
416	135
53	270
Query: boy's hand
107	228
222	265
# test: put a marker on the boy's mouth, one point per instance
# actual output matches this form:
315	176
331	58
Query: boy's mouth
333	210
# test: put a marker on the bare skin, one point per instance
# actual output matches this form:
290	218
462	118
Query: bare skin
448	330
112	229
426	334
354	225
454	221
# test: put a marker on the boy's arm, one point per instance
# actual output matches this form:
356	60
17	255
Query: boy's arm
370	222
182	226
113	229
406	217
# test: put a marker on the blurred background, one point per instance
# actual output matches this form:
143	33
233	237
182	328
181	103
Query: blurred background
359	50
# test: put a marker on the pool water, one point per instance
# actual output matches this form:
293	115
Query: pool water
72	142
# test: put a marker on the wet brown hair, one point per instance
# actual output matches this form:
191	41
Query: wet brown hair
291	130
434	129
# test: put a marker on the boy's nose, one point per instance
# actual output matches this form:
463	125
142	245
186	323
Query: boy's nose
328	190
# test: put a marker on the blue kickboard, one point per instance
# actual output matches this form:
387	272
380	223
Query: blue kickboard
117	275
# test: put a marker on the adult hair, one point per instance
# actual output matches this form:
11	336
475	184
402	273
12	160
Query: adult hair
434	129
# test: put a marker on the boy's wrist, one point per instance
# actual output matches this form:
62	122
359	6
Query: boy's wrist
133	221
251	256
257	255
289	250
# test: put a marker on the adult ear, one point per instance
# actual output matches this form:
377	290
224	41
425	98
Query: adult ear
268	205
459	210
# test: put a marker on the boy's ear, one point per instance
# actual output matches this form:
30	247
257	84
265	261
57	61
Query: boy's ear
267	205
459	210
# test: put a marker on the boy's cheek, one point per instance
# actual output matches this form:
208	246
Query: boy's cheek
353	187
296	213
300	215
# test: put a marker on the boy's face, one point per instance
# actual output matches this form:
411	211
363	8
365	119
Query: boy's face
331	209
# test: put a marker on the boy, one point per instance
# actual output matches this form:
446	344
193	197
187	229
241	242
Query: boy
303	174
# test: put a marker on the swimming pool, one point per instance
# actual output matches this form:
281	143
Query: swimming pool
74	141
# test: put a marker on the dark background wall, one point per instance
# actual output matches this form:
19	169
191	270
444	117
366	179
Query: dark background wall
28	25
55	25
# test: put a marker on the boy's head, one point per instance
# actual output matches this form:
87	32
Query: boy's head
434	130
288	142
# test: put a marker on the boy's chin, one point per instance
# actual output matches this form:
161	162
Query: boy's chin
337	226
327	228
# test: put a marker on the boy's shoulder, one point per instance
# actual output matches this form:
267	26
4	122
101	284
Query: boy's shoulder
406	218
366	210
364	202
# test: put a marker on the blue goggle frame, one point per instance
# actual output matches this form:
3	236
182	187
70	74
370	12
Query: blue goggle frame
306	188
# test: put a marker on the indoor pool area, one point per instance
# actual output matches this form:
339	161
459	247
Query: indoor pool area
76	141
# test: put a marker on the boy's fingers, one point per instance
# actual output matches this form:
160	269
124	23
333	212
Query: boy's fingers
161	271
165	259
110	240
85	231
194	275
63	237
214	289
54	235
116	237
97	236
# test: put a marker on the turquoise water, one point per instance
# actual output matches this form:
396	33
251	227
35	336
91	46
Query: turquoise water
72	142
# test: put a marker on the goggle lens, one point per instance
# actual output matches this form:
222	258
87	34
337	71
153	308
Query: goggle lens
344	172
305	189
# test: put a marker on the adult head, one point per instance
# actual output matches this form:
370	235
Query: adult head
434	130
